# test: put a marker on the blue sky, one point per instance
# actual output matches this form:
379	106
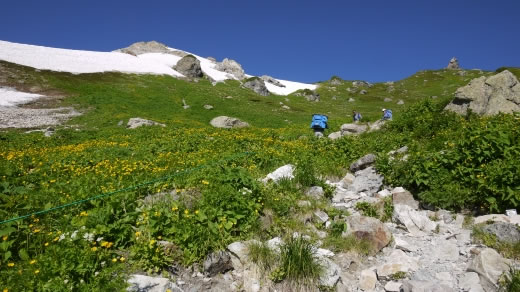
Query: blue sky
296	40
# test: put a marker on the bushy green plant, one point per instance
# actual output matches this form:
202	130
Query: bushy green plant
367	209
262	255
511	281
298	263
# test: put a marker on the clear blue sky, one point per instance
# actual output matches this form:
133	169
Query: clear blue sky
295	40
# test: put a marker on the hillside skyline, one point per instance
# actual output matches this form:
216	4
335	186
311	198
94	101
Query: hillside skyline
308	42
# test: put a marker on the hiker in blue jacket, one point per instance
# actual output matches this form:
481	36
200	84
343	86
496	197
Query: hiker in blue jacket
387	114
319	124
356	116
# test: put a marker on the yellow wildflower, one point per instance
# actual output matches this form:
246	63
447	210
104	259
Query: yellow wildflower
122	259
10	264
94	248
46	244
186	212
137	233
32	262
36	230
114	260
37	271
5	237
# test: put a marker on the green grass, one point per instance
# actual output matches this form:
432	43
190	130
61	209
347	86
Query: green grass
511	281
507	249
262	255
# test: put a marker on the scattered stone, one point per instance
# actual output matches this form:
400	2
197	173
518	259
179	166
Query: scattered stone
257	85
315	192
387	99
271	80
367	180
335	135
470	282
370	229
275	243
331	274
393	286
400	196
232	67
424	286
347	180
284	172
149	47
363	162
416	222
208	107
189	66
367	280
140	283
384	193
363	92
335	81
351	100
454	64
217	262
514	219
400	102
398	261
321	216
488	95
311	96
285	107
228	123
403	245
184	104
138	122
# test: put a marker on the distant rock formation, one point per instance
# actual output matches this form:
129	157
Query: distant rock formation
257	85
454	64
189	66
232	67
271	80
149	47
139	122
488	95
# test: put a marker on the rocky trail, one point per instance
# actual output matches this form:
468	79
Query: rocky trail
417	250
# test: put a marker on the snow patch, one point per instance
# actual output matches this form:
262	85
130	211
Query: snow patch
12	97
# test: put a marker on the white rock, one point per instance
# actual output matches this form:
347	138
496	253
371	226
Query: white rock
367	280
393	286
384	193
322	216
397	261
285	171
321	252
331	273
150	284
402	244
470	282
490	265
275	243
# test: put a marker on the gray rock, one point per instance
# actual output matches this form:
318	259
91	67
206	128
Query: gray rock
393	286
424	286
238	251
189	66
228	122
397	261
257	85
503	231
335	135
138	122
470	282
321	216
312	96
304	203
370	229
416	222
149	47
285	107
363	162
490	266
454	64
351	100
315	192
141	283
208	107
232	67
271	80
367	180
217	262
400	196
331	274
367	280
400	102
488	95
335	81
347	180
353	128
363	92
387	99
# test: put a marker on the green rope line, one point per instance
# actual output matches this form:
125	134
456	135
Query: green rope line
134	187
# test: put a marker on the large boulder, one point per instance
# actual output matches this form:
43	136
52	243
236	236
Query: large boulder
424	286
490	265
503	231
352	129
416	222
284	172
227	122
232	67
366	180
189	66
150	47
488	95
271	80
397	261
454	64
138	283
370	229
257	85
138	122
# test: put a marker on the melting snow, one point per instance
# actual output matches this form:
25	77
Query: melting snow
11	97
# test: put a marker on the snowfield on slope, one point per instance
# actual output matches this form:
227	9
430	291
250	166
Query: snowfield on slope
77	61
12	97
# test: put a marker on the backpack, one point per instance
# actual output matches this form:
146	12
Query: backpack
387	114
319	121
357	117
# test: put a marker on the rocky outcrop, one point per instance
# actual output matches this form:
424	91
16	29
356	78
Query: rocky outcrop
138	122
232	67
257	85
228	122
284	172
489	265
488	95
454	64
271	80
369	229
189	66
353	128
150	47
363	162
217	262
